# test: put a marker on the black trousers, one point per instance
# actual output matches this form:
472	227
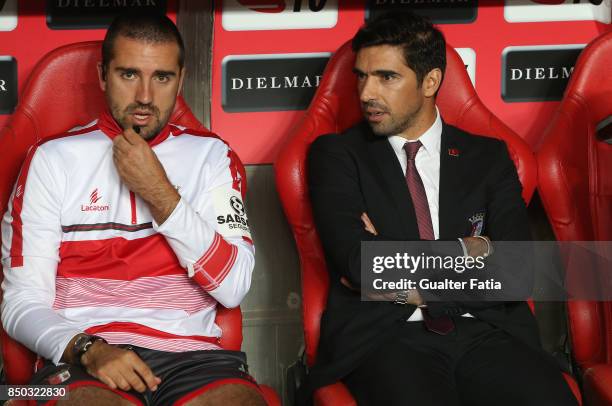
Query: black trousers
475	365
182	374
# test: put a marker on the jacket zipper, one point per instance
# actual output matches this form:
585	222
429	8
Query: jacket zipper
133	204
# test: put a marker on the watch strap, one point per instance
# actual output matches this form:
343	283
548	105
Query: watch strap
82	345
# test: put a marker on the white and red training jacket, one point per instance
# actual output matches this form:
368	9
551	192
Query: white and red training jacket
81	252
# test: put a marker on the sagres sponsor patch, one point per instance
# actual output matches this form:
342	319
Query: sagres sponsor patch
231	214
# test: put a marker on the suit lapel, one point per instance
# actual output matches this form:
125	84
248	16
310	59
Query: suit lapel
394	183
452	183
454	165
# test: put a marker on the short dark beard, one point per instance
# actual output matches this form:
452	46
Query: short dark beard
398	128
122	118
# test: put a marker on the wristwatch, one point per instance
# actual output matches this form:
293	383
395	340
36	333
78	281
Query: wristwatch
401	298
82	344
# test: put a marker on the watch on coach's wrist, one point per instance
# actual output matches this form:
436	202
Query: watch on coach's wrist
401	298
82	344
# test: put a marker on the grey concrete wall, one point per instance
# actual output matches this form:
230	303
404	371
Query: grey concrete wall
272	325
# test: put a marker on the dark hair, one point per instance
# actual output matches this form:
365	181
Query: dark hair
423	44
149	27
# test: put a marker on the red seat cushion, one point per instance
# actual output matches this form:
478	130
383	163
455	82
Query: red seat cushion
598	385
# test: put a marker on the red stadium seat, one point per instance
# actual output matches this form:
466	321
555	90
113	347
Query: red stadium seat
574	183
62	93
335	108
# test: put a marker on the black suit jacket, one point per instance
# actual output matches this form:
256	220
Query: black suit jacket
357	172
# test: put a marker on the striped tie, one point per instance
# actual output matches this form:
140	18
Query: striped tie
417	192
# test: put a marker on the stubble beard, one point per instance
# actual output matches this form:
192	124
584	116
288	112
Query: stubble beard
122	117
395	126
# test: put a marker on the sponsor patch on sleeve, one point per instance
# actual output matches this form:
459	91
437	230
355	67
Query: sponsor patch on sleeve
230	213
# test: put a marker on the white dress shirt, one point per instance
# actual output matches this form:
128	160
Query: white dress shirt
427	162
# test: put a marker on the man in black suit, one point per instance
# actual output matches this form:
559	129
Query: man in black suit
405	175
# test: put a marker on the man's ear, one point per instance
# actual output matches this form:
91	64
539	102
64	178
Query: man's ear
432	82
101	76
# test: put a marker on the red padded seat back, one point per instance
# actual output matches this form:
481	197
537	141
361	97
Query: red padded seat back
335	108
576	189
61	93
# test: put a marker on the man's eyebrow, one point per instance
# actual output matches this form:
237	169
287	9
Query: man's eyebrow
124	69
135	70
165	73
384	72
380	72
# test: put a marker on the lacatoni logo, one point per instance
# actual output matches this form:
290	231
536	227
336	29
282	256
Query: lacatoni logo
93	205
251	15
537	73
438	11
271	82
8	15
76	14
522	11
8	84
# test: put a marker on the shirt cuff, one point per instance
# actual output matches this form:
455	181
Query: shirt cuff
59	351
463	247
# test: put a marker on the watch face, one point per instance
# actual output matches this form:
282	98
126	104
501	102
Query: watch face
82	343
86	347
401	298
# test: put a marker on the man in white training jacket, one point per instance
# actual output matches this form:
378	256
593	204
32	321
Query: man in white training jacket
122	237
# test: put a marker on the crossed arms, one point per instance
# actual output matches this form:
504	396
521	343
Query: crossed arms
343	218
